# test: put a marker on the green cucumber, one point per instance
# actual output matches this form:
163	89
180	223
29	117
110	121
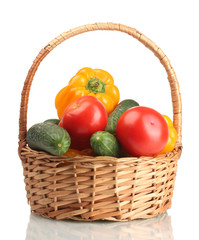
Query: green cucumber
53	121
116	114
104	144
48	137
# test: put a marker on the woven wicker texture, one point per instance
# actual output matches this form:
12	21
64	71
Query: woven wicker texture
92	188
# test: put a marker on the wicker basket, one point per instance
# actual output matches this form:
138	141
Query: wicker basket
91	188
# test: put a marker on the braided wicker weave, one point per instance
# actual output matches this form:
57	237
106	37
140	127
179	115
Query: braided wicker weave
91	188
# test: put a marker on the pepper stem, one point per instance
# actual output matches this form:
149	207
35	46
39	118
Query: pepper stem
95	85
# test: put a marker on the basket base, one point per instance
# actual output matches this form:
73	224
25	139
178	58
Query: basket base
109	219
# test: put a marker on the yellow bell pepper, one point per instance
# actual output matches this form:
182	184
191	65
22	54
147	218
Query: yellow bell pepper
75	152
172	136
87	81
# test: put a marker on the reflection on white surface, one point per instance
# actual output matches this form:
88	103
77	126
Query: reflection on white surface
159	228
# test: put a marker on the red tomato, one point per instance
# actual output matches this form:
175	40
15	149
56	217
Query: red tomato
142	131
82	118
80	144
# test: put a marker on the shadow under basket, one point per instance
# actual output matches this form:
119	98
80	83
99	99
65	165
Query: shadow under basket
86	188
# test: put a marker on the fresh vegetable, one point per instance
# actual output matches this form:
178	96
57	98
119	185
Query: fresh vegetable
53	121
75	152
93	82
80	144
123	153
142	131
88	152
82	118
172	136
118	111
104	144
48	137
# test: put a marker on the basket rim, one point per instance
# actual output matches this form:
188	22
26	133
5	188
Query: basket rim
27	152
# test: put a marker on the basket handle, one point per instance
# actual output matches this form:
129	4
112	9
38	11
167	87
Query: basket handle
174	85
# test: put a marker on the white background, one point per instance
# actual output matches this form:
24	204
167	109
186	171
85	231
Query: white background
27	26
